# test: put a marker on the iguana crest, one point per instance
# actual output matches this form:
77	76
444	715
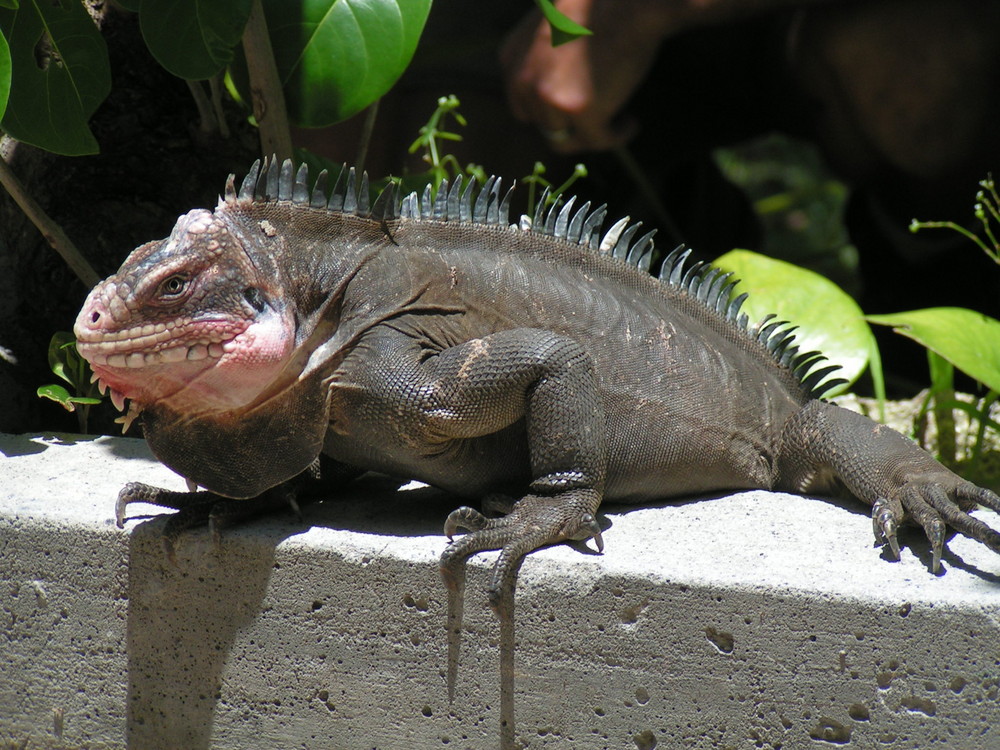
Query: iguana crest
580	226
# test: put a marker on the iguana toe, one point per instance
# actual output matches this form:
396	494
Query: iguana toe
885	524
464	519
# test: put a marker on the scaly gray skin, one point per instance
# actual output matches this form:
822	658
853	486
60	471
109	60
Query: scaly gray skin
430	339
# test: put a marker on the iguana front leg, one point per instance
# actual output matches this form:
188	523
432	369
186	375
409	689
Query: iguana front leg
550	379
198	508
441	401
878	465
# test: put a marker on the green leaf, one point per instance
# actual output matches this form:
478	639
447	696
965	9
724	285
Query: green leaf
59	75
335	57
61	396
564	29
56	393
193	39
12	4
829	320
967	339
62	356
4	74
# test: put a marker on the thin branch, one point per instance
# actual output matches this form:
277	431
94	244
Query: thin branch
265	87
205	115
50	230
215	85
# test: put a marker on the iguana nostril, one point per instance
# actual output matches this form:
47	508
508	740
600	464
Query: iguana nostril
95	316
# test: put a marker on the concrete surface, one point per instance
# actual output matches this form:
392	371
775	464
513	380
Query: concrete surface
753	620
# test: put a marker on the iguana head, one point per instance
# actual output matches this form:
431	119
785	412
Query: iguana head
190	321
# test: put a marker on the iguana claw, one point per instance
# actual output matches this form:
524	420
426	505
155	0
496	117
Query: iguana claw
935	504
884	525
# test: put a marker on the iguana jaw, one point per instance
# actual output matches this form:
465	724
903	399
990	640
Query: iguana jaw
194	328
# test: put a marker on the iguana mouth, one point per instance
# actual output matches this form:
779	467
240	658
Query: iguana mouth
194	351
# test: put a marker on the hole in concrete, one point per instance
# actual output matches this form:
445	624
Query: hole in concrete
642	696
721	640
858	712
426	711
904	610
644	740
957	684
919	705
830	730
421	604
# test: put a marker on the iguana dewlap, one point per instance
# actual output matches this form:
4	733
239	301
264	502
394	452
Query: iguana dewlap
434	340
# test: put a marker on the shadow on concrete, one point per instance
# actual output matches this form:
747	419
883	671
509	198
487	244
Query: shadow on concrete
31	444
183	618
182	621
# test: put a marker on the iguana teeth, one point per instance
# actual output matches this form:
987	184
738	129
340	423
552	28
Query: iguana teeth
174	354
117	399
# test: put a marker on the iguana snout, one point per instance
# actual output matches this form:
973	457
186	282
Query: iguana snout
189	321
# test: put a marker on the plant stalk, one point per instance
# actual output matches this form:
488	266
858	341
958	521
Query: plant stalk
265	87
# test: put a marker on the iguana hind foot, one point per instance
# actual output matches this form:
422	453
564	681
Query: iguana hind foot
935	505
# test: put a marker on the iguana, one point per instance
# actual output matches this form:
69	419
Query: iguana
537	366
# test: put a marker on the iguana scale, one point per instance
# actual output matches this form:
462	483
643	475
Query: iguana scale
430	338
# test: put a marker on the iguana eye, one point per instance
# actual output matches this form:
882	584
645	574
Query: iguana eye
173	285
255	298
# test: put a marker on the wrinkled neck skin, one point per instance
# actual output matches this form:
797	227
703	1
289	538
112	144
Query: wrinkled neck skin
242	450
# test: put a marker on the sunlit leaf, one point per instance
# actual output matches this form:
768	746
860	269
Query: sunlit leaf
828	319
967	339
335	57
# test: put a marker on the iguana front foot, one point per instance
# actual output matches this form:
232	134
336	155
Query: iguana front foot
935	503
533	522
196	509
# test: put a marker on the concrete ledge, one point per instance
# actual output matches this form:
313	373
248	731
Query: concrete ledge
753	620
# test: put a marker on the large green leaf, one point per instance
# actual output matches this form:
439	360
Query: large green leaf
59	75
4	74
967	339
335	57
193	39
829	320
